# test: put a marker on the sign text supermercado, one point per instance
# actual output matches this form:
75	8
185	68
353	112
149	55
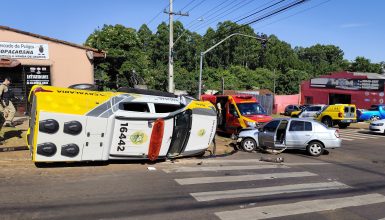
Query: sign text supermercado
24	50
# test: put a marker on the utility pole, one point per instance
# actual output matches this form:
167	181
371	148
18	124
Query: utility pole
171	14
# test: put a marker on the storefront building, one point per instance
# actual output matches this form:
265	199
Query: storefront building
361	89
31	59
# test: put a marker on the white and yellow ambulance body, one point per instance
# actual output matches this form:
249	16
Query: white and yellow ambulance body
79	125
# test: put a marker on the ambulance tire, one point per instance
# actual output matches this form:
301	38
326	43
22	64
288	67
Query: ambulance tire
84	86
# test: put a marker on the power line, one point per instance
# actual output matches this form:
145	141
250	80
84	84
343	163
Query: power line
259	11
157	15
195	6
200	17
214	19
299	12
188	5
276	11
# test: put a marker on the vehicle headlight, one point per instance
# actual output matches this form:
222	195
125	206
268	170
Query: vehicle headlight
377	124
250	124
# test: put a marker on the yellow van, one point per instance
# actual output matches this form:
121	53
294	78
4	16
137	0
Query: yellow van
337	114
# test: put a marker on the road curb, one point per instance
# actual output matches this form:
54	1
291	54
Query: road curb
15	148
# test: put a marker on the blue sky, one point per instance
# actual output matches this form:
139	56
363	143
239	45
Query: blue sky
356	26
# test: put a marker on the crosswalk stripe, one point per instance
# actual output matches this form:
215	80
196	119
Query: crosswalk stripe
264	191
355	137
302	207
347	139
241	178
223	168
361	135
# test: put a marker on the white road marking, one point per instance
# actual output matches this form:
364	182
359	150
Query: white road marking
241	178
223	168
347	139
306	164
359	135
264	191
302	207
351	136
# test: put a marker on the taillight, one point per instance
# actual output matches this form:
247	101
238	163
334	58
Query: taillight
40	89
337	134
156	139
340	114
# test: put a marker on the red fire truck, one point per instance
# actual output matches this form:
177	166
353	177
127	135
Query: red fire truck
237	111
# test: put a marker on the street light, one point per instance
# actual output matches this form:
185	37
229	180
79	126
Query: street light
208	50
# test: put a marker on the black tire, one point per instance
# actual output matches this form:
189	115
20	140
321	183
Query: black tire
343	125
327	121
315	148
248	144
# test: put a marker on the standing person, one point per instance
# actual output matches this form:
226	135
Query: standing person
6	104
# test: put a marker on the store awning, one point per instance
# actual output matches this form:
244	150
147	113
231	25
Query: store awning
6	62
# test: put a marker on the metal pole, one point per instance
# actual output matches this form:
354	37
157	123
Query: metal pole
208	50
200	76
170	56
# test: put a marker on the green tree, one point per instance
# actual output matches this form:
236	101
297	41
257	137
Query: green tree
362	64
124	55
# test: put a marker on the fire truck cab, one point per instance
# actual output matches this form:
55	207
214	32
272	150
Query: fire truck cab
235	112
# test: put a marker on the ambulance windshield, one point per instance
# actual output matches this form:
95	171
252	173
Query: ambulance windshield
251	109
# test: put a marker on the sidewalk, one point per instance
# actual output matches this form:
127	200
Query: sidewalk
13	138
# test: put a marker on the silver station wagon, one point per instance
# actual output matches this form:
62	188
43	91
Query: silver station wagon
290	133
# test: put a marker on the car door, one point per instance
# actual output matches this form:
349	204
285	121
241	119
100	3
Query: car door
232	121
266	136
299	133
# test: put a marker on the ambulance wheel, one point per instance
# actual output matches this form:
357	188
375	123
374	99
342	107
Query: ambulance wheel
248	144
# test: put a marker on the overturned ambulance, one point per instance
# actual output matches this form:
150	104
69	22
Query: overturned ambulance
79	125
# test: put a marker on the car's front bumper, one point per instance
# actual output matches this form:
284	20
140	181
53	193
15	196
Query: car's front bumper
376	129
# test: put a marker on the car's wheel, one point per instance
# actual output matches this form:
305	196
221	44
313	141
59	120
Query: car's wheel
343	125
248	144
315	148
374	118
327	121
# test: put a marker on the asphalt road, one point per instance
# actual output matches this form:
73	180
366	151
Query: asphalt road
347	183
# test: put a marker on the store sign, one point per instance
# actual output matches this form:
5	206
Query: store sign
24	50
348	84
37	75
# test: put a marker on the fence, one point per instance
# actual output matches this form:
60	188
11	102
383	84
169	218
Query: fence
267	101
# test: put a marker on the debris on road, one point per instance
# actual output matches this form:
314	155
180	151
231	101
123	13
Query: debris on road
274	160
